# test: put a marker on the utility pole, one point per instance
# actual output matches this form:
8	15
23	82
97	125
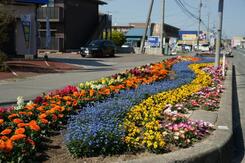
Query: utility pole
199	24
162	28
219	32
208	30
142	45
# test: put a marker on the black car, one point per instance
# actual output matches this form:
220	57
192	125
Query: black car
99	48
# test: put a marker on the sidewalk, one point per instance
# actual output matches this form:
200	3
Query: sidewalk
93	69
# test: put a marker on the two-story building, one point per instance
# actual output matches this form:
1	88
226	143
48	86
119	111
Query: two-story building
24	37
71	23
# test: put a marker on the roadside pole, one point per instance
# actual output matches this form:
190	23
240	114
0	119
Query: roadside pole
223	65
162	43
199	25
219	33
142	45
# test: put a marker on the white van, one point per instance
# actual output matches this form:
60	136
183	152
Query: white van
203	47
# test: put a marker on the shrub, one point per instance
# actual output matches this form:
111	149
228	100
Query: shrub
3	58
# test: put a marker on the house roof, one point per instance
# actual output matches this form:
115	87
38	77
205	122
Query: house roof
100	2
137	32
32	1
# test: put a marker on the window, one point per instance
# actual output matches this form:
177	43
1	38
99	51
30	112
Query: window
51	3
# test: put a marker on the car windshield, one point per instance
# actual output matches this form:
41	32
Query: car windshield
95	43
205	45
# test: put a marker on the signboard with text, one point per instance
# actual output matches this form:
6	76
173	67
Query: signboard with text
26	25
189	37
33	1
154	41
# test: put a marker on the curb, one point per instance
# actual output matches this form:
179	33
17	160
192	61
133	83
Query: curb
217	147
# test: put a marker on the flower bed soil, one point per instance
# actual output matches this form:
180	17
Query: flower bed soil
33	68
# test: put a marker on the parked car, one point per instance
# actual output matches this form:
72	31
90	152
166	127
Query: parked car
99	48
227	52
203	48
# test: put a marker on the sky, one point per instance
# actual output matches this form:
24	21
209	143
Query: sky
126	11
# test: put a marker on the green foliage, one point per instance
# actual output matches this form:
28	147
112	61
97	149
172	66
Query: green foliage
6	24
118	38
3	58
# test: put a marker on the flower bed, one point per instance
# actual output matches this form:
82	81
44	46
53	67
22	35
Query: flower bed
22	129
143	124
97	129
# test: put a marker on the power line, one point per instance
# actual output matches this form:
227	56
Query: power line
185	10
189	13
187	4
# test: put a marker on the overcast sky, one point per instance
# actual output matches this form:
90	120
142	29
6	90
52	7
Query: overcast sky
126	11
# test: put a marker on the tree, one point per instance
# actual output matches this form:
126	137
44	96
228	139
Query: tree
7	24
118	38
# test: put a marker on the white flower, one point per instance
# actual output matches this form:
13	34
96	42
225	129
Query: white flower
20	103
20	100
29	103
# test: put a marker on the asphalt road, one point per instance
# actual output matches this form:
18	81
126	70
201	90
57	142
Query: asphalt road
238	105
92	69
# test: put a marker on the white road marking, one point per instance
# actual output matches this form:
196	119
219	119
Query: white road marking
223	127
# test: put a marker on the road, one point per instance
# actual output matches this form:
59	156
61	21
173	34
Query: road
92	68
238	105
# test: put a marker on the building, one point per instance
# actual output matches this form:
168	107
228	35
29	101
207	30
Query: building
24	40
122	28
189	38
71	24
238	41
135	34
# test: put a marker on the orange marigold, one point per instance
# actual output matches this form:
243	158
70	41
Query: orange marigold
58	102
42	116
6	132
22	113
12	116
41	108
17	137
20	131
1	121
9	145
2	145
4	138
20	125
33	125
44	121
29	107
17	120
82	92
91	92
67	98
107	91
62	109
76	94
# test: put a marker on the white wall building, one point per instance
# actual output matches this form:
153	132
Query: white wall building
238	41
